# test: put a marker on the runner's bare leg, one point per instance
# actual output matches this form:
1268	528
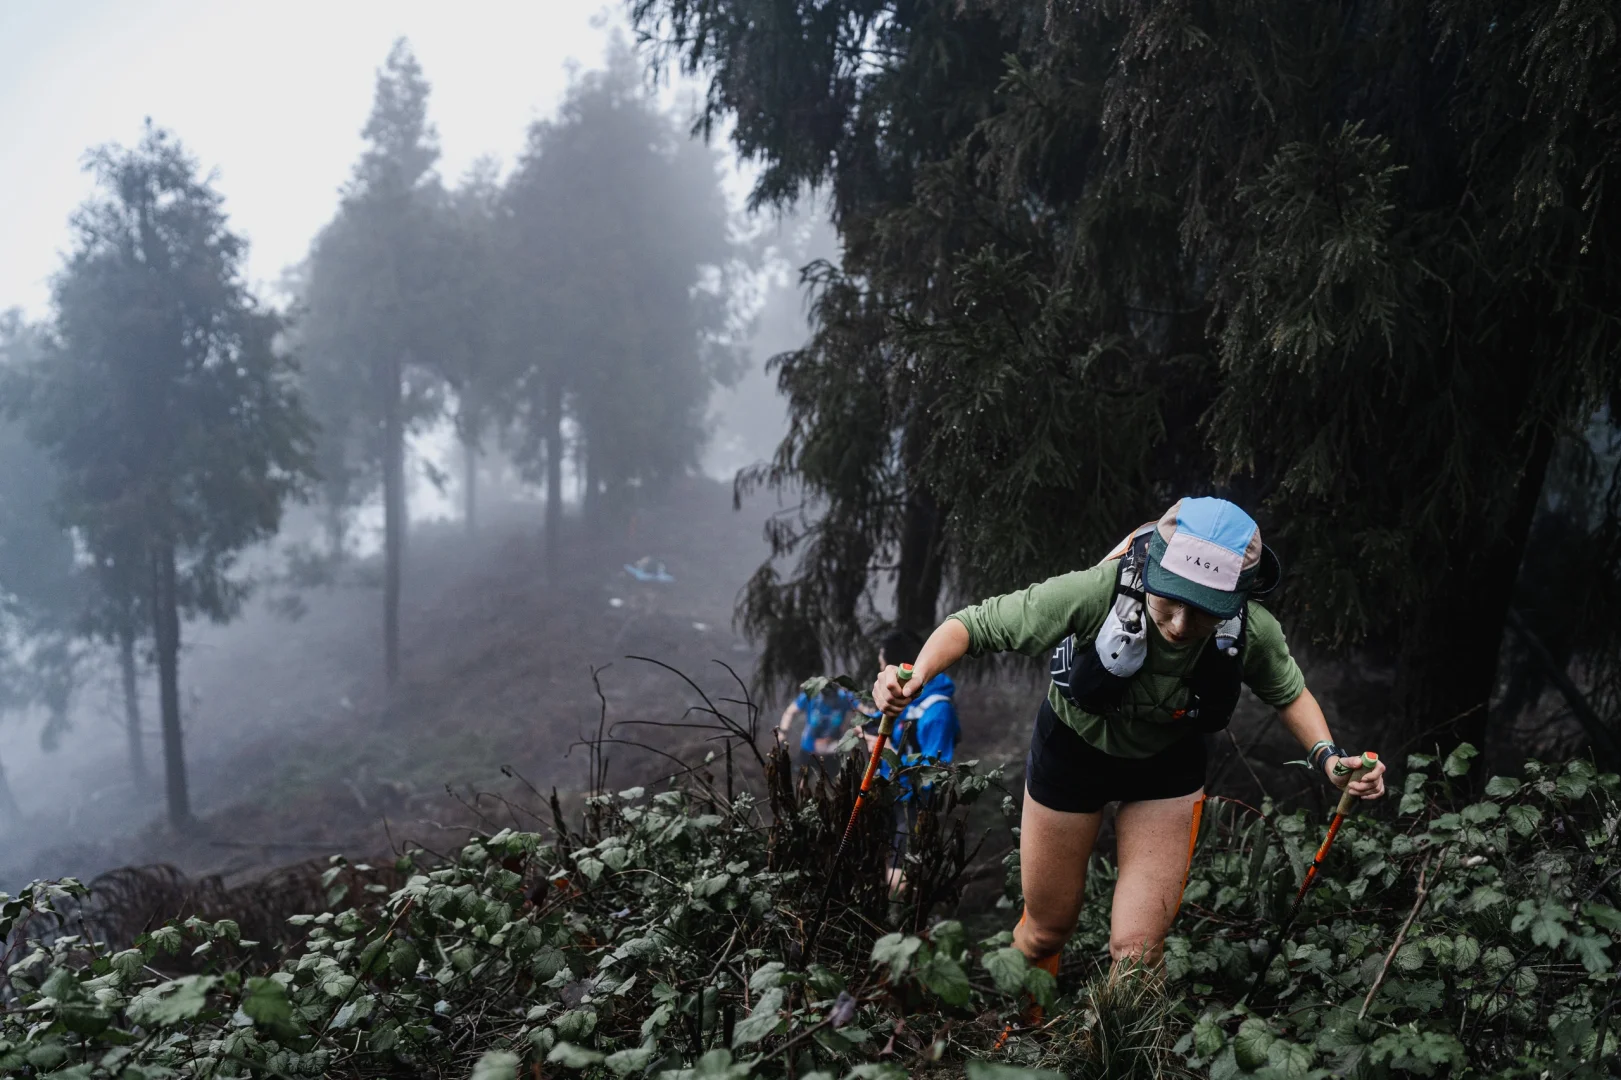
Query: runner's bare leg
1054	847
1152	841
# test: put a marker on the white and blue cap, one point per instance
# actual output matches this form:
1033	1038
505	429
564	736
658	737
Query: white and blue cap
1206	553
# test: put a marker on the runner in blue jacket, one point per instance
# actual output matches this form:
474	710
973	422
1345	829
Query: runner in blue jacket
825	717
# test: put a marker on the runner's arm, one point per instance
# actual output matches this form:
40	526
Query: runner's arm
1305	720
945	647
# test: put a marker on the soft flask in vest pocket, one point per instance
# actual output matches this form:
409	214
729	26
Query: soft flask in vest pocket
1093	674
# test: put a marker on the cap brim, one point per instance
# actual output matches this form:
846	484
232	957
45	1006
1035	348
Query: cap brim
1161	582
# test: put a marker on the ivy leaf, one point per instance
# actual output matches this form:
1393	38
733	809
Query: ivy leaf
1604	915
1481	812
715	1065
1411	803
1208	1038
1500	786
171	1002
1576	782
1482	897
1523	819
1041	986
766	976
946	978
625	1062
1465	951
1253	1041
166	938
760	1022
1410	957
565	1054
128	962
897	951
265	1003
711	885
85	1020
576	1025
1589	948
403	959
1291	1058
1006	967
1423	1053
1545	920
1457	762
824	980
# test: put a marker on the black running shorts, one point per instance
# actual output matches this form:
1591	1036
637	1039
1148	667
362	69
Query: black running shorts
1064	772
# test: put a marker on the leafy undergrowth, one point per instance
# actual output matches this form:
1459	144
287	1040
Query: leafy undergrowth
664	935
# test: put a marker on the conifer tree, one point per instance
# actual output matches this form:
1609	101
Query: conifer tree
168	411
615	225
371	326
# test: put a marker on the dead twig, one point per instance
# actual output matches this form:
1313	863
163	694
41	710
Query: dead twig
1401	935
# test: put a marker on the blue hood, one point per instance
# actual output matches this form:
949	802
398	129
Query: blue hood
940	684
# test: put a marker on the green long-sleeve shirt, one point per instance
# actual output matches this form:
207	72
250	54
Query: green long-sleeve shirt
1034	620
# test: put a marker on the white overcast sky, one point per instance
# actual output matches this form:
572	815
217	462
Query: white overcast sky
270	94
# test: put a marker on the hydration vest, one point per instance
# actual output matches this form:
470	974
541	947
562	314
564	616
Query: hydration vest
1093	675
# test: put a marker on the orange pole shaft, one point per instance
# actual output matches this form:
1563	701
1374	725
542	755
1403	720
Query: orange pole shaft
1322	853
1193	842
866	785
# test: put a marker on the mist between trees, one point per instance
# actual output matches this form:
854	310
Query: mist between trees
163	419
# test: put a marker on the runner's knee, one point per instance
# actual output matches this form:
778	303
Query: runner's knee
1038	940
1139	948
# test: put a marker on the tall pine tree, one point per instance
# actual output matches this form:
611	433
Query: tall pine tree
372	326
170	414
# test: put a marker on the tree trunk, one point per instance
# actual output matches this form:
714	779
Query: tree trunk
470	483
132	707
10	812
166	636
922	546
554	474
1447	670
393	518
591	504
337	530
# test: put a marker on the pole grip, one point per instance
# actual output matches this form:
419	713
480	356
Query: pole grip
904	674
1347	800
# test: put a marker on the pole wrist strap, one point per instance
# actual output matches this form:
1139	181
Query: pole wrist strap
1321	751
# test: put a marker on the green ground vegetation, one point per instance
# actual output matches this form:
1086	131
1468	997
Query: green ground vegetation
662	934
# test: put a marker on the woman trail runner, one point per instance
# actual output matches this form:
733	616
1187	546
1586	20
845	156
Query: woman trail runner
1148	650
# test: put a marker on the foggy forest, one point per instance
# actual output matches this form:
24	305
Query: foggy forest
810	539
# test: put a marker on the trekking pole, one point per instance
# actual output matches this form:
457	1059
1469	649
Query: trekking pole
885	726
1347	801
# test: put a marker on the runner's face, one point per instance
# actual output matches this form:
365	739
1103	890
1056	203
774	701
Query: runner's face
1179	623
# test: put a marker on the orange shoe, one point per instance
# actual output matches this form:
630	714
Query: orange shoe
1033	1015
